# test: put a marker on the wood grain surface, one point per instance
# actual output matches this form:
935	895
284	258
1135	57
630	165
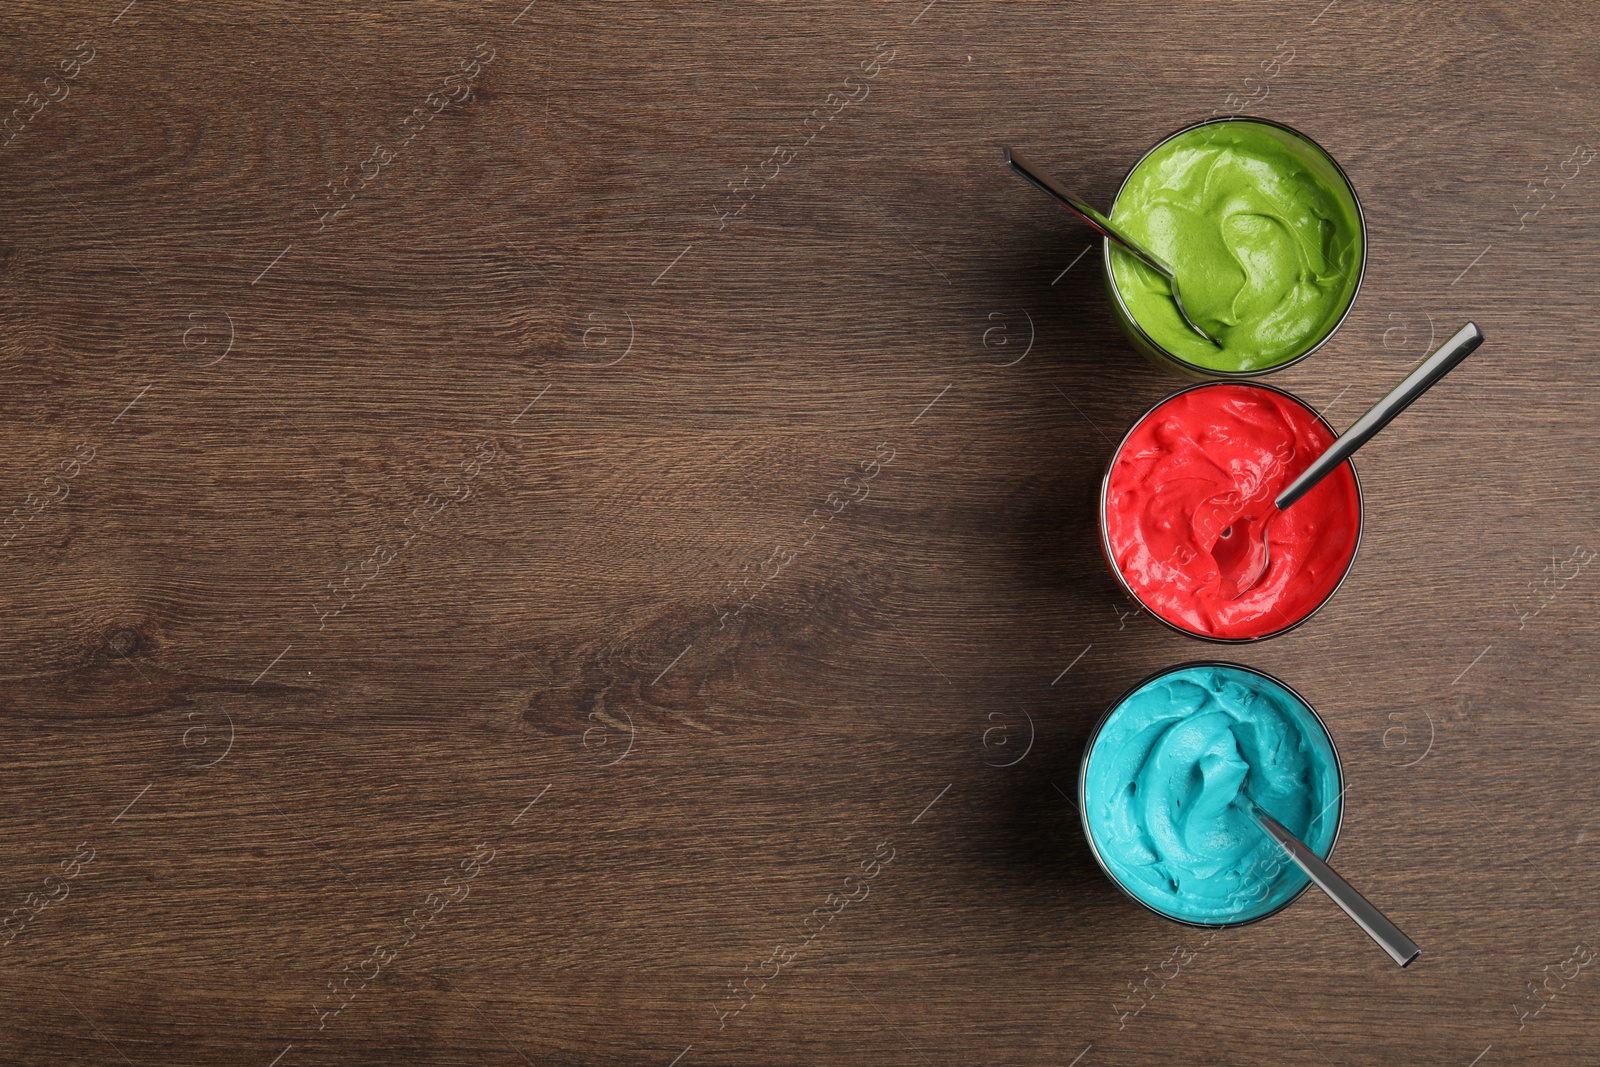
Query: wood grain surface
561	533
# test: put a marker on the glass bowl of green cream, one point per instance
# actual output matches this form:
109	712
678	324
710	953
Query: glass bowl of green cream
1265	234
1160	789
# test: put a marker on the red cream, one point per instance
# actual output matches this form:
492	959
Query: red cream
1191	467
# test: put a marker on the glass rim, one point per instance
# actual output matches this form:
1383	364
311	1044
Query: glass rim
1083	778
1127	587
1128	316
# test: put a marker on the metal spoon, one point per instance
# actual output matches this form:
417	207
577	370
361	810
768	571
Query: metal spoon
1242	549
1399	947
1103	226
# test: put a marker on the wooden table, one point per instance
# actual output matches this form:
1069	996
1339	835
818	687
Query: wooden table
563	534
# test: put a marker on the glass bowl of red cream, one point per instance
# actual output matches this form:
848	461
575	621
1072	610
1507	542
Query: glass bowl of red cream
1186	471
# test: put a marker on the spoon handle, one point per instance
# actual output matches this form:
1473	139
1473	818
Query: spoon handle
1400	947
1097	222
1421	378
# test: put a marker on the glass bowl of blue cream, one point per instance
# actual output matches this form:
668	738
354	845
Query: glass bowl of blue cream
1161	785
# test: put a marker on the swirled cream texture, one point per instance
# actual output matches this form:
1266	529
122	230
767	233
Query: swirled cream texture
1188	470
1262	232
1163	773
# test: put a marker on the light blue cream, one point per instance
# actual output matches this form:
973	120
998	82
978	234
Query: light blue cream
1160	781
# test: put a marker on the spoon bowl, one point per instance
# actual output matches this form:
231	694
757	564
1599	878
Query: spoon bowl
1243	553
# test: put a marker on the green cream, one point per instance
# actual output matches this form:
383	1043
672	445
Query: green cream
1264	236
